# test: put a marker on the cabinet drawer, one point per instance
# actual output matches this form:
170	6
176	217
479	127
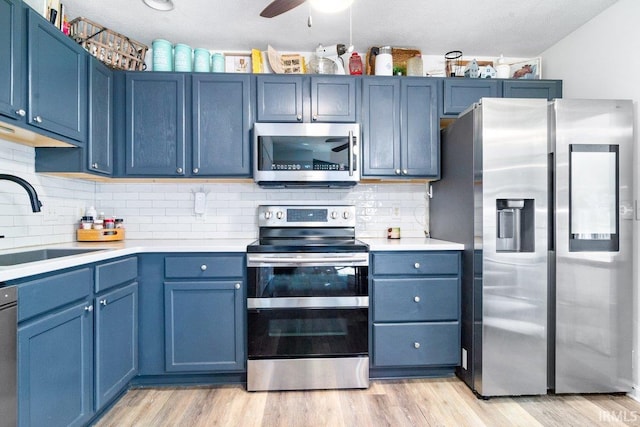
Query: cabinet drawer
42	295
204	266
116	273
398	300
416	344
415	263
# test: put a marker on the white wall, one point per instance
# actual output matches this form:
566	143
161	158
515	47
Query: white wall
165	210
600	60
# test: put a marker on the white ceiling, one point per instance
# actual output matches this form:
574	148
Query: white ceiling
516	28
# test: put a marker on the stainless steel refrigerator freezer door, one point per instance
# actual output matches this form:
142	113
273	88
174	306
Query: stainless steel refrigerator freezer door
514	277
593	244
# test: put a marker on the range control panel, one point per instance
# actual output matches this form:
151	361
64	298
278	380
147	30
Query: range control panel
306	216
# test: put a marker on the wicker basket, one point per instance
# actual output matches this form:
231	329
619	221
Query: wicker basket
114	49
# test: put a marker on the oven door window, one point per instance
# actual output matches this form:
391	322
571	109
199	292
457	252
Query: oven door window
285	333
322	281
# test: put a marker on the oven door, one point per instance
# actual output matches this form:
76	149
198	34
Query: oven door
307	305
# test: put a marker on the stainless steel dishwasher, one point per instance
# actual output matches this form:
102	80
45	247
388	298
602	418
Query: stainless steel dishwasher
8	356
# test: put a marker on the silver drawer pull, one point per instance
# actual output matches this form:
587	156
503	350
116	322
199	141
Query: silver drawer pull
103	302
203	267
416	299
237	285
416	345
88	308
416	265
37	119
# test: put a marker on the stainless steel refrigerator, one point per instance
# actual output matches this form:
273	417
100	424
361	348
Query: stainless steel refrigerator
540	194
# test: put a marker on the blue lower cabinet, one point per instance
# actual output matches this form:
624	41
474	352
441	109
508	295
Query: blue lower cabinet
415	312
116	341
204	326
416	344
55	368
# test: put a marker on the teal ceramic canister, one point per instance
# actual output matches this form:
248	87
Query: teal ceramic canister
182	58
201	60
162	55
217	63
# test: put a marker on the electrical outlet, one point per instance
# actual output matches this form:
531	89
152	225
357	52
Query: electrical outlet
49	213
200	205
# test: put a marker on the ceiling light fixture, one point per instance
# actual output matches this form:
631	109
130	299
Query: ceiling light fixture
330	6
163	5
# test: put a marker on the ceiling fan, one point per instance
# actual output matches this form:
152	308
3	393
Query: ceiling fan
278	7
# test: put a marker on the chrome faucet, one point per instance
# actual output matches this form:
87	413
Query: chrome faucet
33	196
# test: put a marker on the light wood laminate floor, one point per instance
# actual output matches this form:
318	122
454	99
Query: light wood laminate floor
420	402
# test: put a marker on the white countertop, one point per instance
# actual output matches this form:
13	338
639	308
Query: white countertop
108	250
412	244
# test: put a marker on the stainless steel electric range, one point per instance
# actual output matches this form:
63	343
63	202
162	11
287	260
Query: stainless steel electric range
307	300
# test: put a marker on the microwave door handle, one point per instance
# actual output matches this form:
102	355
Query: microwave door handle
350	153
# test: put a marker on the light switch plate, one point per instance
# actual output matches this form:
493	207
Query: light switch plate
200	204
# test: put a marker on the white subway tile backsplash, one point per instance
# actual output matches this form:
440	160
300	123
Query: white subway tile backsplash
165	210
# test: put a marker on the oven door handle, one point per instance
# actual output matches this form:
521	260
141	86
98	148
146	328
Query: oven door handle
357	260
351	152
308	302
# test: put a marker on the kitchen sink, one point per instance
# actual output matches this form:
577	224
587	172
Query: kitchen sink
40	255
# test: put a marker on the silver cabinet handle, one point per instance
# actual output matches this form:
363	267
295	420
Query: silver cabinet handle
88	308
299	117
179	170
397	171
196	170
405	172
94	165
416	265
21	112
237	286
103	302
416	345
37	119
416	298
315	117
203	267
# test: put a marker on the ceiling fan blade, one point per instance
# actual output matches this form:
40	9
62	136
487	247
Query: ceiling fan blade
340	148
277	7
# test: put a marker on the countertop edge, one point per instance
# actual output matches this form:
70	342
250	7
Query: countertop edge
111	250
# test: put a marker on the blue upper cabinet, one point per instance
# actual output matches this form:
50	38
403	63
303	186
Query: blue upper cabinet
279	98
400	127
460	93
155	124
100	143
287	98
221	114
545	89
57	80
11	65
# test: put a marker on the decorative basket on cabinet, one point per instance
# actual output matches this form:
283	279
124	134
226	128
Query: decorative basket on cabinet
114	49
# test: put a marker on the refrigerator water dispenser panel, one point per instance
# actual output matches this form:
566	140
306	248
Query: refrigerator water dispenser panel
515	225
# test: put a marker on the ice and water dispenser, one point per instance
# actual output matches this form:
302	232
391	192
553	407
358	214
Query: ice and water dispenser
515	228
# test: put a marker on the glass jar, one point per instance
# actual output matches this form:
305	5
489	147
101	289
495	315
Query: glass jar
109	223
414	66
86	223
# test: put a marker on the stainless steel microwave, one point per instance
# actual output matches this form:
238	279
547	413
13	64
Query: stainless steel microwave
306	154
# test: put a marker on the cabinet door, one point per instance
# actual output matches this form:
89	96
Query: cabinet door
419	128
57	80
279	98
100	143
11	67
116	342
380	126
55	368
333	99
155	128
460	93
544	89
204	326
221	120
